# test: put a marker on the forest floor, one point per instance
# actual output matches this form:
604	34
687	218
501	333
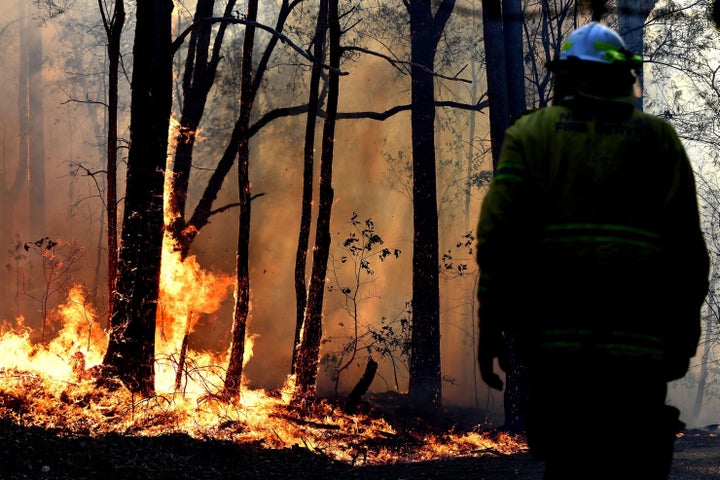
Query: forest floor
43	453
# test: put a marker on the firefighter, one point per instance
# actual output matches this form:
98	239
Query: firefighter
593	262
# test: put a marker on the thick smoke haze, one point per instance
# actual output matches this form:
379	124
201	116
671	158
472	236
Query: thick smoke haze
371	179
74	83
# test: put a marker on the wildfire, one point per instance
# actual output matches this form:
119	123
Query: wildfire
51	385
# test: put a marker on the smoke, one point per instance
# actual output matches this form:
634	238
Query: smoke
74	124
363	180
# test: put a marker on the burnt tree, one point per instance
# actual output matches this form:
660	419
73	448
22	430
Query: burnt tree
233	376
502	36
425	388
307	179
308	353
497	76
130	353
113	25
361	387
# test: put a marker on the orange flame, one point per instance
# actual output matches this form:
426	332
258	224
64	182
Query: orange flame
51	385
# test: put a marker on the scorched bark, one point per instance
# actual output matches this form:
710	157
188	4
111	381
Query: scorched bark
242	292
131	348
425	382
308	355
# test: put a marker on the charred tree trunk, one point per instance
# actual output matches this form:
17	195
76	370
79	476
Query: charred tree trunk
233	378
425	385
131	348
113	30
361	387
182	356
493	39
198	78
308	354
307	190
514	58
506	93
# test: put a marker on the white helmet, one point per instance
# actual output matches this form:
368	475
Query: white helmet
595	42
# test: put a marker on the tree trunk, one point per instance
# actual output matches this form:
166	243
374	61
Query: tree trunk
506	92
130	353
361	387
631	22
516	389
514	58
307	190
308	354
113	30
233	378
425	387
493	38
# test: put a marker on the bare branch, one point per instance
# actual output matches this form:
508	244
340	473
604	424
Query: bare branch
283	38
395	64
301	109
71	99
232	205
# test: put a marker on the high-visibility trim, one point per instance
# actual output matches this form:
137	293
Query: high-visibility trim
611	349
602	233
615	53
485	279
589	332
510	171
614	343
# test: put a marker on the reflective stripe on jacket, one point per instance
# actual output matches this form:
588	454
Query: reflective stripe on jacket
576	341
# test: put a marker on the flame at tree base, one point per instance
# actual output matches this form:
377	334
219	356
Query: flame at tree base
57	385
263	418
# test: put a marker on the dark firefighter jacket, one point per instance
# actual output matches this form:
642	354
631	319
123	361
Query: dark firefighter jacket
589	238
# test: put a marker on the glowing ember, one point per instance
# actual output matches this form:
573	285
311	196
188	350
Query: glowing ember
52	385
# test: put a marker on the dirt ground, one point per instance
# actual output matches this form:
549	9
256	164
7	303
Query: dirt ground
36	453
697	455
58	453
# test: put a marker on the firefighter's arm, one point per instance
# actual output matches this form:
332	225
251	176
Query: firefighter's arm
500	226
493	255
489	294
491	346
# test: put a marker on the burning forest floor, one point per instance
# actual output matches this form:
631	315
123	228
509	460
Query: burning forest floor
383	441
61	418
